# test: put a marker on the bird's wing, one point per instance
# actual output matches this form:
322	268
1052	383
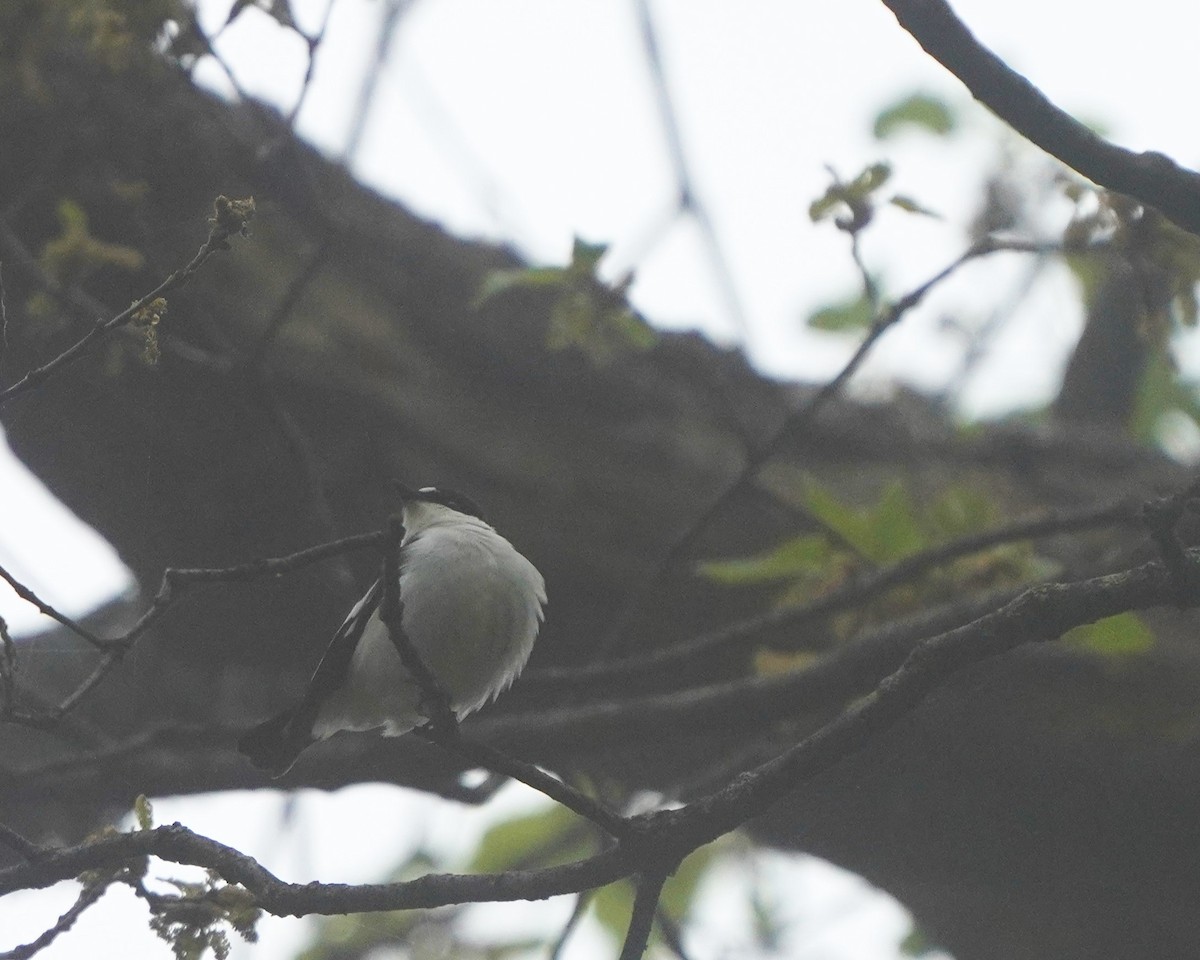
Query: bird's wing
331	671
275	744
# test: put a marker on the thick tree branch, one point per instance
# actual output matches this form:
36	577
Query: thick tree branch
1150	177
177	844
1041	613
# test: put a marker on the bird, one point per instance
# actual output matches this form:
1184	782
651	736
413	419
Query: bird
472	606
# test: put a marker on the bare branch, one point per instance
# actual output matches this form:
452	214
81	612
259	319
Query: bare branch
498	762
18	844
90	893
46	609
174	581
793	424
659	840
229	217
1150	177
8	667
177	844
689	202
578	912
1039	614
641	922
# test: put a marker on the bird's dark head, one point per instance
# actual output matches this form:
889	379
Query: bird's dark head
439	495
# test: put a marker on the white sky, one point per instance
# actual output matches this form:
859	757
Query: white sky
530	121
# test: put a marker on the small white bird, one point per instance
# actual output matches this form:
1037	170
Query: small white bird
472	606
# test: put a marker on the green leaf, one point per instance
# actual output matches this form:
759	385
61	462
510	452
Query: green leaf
960	511
1161	391
587	255
1124	635
909	205
800	556
886	532
541	839
499	282
824	205
848	523
846	316
894	525
921	110
855	196
871	179
143	812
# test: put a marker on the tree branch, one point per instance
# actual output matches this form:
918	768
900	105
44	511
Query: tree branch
229	217
174	581
658	841
867	586
796	421
90	893
177	844
1150	177
641	922
1039	614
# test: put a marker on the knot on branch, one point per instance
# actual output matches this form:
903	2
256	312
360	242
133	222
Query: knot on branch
1162	518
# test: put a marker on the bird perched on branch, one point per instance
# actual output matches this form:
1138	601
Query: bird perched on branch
471	608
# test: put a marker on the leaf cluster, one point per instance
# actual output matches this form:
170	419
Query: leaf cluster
586	314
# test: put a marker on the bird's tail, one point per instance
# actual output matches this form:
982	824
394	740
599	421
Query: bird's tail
274	745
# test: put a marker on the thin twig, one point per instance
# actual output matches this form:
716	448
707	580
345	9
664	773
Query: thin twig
641	922
865	587
101	670
793	424
496	761
314	44
661	839
229	217
435	701
286	306
177	844
90	893
175	581
1040	614
46	609
671	934
392	11
578	912
3	320
8	670
870	287
26	849
689	198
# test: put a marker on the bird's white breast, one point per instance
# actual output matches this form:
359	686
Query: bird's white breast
472	607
